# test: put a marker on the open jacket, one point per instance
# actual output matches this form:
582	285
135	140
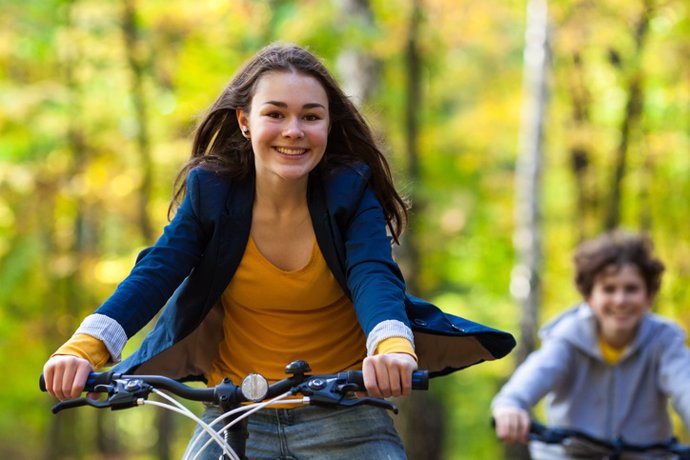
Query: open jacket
192	263
628	399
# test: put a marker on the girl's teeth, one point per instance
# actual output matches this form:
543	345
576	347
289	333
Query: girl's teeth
291	151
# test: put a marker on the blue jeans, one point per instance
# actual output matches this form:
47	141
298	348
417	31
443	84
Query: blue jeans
313	432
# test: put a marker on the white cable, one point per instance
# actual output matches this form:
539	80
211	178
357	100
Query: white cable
250	409
214	422
210	425
254	407
164	395
257	407
172	400
211	432
186	410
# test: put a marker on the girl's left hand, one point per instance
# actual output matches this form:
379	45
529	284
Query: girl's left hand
388	375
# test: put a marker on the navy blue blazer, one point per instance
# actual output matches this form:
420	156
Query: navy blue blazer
192	263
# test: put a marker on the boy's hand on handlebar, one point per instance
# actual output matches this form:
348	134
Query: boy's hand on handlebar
65	376
512	424
388	375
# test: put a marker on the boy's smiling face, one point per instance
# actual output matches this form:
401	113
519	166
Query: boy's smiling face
619	300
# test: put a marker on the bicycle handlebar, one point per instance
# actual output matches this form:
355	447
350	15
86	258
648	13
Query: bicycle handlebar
420	381
326	390
547	435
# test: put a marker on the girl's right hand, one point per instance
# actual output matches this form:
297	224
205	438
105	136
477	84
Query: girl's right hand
512	424
65	376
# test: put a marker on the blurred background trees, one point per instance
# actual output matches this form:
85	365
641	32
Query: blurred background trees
98	100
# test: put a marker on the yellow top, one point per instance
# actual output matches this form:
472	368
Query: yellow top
273	317
611	354
87	347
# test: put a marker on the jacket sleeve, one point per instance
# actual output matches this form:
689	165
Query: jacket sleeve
674	372
542	371
374	279
158	271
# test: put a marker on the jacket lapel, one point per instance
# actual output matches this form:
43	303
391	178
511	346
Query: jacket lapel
326	231
233	230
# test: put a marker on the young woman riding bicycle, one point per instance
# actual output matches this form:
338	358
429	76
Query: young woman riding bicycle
278	251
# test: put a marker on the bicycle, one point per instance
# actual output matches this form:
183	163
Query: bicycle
236	401
583	445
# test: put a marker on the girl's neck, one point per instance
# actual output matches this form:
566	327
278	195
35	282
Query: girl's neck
281	196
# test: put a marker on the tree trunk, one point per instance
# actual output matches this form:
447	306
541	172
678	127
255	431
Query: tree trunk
65	438
526	281
631	118
107	436
580	153
632	112
358	69
422	420
645	197
413	103
132	36
137	61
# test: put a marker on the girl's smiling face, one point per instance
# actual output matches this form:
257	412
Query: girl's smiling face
619	300
288	125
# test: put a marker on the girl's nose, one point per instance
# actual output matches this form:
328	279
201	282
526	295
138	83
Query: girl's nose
293	130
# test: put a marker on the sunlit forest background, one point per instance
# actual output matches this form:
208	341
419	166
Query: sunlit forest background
99	99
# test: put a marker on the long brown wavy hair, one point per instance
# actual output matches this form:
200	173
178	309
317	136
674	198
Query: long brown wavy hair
219	144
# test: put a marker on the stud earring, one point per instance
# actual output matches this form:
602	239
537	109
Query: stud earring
245	132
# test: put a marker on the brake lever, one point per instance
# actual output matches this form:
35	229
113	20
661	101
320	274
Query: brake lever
72	403
128	393
122	394
367	400
333	393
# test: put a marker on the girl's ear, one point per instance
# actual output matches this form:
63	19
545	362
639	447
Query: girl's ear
242	119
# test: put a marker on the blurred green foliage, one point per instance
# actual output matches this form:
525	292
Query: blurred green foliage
70	168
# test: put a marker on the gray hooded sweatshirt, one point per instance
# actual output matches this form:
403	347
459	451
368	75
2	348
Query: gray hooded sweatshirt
583	392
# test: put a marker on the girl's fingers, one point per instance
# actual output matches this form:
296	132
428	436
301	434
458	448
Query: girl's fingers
369	375
80	377
65	376
389	375
382	378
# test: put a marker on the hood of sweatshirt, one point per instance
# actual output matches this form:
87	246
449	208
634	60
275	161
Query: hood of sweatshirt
578	326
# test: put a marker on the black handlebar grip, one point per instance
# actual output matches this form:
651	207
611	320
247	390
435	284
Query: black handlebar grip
94	378
99	378
420	379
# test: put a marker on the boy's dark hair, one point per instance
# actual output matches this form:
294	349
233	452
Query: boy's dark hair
616	248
